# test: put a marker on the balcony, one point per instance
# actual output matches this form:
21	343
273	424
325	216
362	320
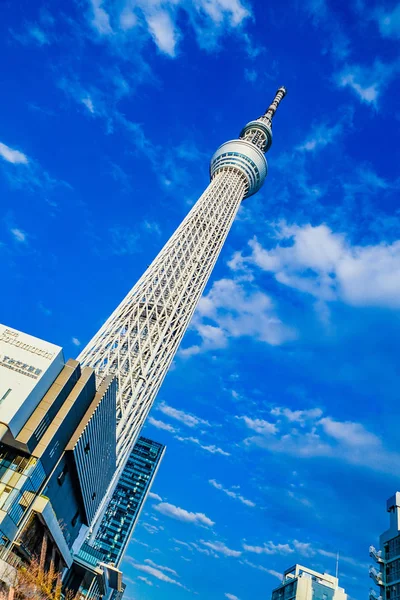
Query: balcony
373	595
376	554
376	576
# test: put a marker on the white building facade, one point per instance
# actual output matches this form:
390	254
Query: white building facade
302	583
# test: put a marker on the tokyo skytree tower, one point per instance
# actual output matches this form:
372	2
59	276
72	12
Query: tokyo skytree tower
139	340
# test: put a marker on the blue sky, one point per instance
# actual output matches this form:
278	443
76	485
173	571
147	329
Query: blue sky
281	411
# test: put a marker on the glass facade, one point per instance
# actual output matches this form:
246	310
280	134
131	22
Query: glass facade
127	500
20	479
392	568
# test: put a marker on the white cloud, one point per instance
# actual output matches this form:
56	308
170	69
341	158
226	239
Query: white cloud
262	568
162	20
154	572
160	567
324	264
231	596
389	22
321	136
221	548
88	102
19	235
181	416
155	496
141	578
259	425
269	548
180	514
231	493
100	18
236	309
75	341
368	83
296	416
38	35
12	156
304	549
329	27
327	437
163	31
212	448
161	425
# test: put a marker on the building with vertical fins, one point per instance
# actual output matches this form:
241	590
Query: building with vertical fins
302	583
139	340
386	571
106	546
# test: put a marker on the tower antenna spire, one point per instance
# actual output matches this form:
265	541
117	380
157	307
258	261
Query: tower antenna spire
271	110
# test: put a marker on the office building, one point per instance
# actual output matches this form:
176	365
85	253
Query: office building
301	583
123	510
386	572
57	450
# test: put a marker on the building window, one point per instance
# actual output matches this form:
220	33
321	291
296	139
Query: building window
62	475
4	396
94	495
86	448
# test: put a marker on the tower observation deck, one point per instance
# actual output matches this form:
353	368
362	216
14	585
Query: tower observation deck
139	340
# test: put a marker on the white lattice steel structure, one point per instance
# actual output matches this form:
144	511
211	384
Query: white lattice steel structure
139	340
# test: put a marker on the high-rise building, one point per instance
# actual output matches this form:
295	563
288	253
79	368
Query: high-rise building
57	452
119	520
301	583
139	340
386	573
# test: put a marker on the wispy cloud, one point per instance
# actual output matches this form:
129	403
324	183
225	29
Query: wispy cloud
161	425
155	496
269	548
161	567
145	580
13	156
160	20
221	548
259	425
212	448
322	135
154	572
323	436
180	514
389	21
325	19
25	173
272	572
18	235
232	493
100	19
231	596
187	419
368	82
75	341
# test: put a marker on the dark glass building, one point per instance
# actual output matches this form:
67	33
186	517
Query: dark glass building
119	520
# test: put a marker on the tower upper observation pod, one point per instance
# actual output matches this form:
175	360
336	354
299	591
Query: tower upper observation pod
246	154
